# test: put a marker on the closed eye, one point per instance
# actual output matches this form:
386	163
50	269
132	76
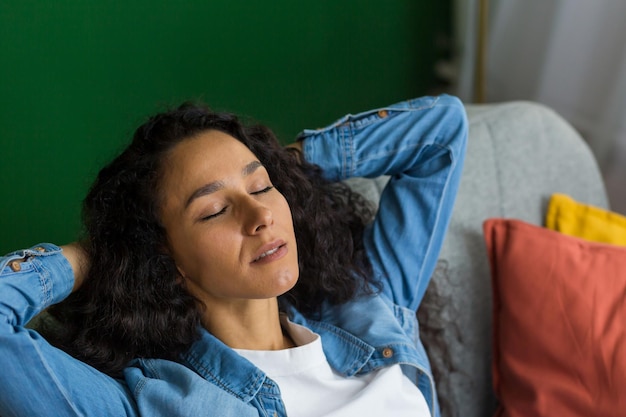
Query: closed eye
222	211
214	215
263	191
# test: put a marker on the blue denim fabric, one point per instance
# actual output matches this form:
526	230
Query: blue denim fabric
419	143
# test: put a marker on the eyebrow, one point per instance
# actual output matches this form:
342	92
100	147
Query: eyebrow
218	185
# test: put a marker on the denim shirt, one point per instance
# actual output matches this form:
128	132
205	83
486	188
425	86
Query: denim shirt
419	143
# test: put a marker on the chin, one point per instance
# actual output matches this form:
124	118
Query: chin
287	281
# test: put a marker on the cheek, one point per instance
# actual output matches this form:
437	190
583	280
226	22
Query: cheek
211	254
183	250
283	207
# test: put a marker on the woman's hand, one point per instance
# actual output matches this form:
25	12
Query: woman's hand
295	145
78	259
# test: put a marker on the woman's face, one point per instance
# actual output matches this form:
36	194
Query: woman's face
229	230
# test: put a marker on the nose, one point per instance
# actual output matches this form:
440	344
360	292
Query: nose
257	217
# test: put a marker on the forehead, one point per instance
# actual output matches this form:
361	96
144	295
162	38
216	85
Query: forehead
210	151
207	157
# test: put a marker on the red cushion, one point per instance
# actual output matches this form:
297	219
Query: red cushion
559	322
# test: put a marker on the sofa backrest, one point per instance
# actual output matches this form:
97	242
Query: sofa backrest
518	155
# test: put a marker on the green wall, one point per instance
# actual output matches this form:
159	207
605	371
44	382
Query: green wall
76	78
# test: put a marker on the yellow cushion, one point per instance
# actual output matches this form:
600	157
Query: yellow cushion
588	222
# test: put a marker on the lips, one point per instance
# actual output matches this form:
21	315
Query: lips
270	251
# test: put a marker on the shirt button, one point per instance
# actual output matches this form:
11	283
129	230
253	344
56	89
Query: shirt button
15	266
387	352
40	249
383	113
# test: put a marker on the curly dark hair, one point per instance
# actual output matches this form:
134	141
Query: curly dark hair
133	304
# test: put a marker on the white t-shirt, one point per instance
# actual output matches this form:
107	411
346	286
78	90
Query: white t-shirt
309	386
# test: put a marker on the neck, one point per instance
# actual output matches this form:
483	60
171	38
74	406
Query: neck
250	325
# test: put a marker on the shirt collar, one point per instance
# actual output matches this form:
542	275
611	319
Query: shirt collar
221	365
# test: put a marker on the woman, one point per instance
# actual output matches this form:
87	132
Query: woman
223	275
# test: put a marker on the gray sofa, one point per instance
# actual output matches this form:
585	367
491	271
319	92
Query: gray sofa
519	154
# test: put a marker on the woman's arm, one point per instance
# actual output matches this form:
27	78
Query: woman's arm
36	378
421	144
77	257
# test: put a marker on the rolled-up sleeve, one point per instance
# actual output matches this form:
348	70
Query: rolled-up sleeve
37	379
